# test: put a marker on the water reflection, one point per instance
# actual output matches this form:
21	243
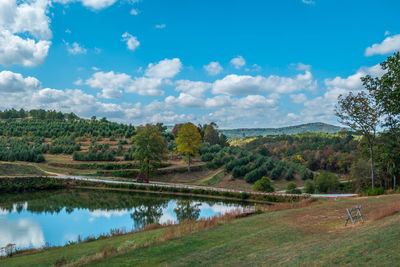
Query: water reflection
30	220
24	233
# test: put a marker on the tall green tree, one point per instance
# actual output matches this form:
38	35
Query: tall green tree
360	112
386	91
150	148
189	141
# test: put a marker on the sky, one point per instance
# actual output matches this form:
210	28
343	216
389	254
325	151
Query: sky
238	63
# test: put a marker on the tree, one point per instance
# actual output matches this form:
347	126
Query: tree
309	187
326	182
211	135
386	91
150	148
263	185
189	141
291	188
360	113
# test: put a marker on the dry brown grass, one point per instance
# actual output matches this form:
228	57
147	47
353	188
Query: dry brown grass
385	211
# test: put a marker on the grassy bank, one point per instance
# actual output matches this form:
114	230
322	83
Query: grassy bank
310	236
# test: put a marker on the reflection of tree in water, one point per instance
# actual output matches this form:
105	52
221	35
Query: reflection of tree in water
149	212
56	200
187	210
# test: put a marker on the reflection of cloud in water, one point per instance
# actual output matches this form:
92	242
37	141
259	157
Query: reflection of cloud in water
15	208
220	208
109	213
23	233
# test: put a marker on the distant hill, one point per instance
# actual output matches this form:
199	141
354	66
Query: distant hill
303	128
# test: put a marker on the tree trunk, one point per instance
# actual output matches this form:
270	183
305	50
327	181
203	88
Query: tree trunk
188	162
394	176
372	166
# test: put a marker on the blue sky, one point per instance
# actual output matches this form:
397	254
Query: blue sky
238	63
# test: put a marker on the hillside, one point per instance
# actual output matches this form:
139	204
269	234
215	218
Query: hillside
302	128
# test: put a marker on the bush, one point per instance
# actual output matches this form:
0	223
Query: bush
375	191
276	172
255	174
309	187
207	156
240	171
264	185
291	188
326	182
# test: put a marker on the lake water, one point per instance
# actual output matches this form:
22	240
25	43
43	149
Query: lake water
53	218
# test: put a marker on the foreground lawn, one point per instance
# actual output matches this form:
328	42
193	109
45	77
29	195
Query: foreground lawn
311	236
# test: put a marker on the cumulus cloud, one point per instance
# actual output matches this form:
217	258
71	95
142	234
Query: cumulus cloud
23	233
24	32
26	52
321	108
238	62
109	82
245	84
131	41
389	45
299	98
75	48
213	68
166	68
191	95
11	82
18	92
249	111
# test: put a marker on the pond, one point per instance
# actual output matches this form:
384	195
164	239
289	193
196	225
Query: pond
55	218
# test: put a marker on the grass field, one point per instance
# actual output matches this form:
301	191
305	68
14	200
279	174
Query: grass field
310	236
16	169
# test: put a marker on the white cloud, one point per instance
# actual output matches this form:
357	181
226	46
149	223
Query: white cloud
299	98
19	92
78	82
213	68
26	52
166	68
300	66
92	4
238	62
389	45
353	81
134	12
110	83
321	108
245	84
23	233
24	32
160	26
75	49
131	41
146	86
193	88
11	82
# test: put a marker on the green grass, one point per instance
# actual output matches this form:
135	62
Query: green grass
311	236
214	179
19	169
